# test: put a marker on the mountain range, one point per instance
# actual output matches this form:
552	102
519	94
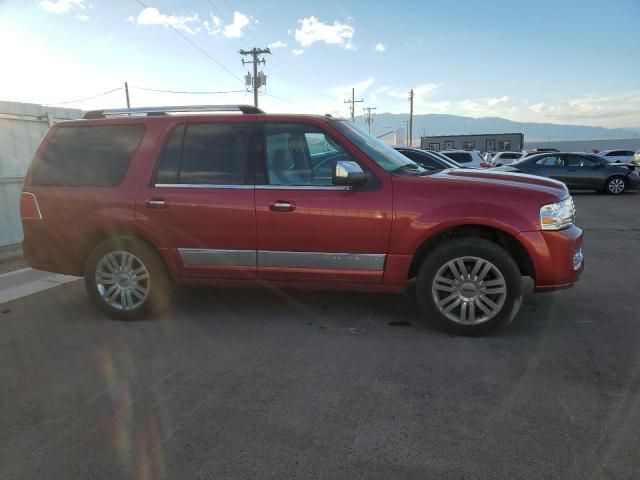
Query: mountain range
439	124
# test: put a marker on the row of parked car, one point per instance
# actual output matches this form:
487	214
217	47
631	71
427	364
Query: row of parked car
611	171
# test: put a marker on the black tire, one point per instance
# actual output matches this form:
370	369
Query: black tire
156	283
471	250
612	187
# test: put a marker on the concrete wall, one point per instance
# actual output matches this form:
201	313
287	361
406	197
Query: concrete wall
587	145
22	126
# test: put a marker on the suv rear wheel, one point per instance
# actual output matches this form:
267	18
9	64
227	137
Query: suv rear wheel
125	278
469	286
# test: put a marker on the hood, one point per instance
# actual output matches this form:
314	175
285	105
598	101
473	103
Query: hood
506	178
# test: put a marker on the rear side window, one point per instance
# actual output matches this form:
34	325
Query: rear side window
206	154
91	156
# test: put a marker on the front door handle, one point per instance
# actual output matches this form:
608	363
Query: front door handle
282	206
155	203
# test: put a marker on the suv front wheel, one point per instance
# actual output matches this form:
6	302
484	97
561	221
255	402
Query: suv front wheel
125	278
469	286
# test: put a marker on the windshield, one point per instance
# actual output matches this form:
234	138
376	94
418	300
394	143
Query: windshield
385	156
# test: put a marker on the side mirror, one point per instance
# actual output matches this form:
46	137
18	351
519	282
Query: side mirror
348	173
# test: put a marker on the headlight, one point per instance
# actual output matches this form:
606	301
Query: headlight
556	216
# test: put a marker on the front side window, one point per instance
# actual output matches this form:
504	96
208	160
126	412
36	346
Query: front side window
300	155
206	154
88	156
549	161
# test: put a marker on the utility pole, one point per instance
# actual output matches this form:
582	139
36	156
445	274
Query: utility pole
410	118
126	91
368	118
258	80
353	102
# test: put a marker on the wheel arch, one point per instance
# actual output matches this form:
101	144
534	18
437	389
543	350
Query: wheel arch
120	234
502	238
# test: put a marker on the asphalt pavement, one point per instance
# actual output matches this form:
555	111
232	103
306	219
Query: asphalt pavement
256	384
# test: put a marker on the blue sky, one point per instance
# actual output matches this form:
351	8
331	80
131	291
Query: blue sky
546	61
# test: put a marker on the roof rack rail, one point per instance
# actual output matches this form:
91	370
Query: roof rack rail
153	111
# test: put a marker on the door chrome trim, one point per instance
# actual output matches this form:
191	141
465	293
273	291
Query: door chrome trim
204	185
207	256
302	187
271	258
334	261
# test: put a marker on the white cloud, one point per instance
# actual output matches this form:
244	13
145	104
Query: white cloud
61	6
297	51
537	108
82	17
234	29
491	106
230	30
152	16
380	47
277	44
312	30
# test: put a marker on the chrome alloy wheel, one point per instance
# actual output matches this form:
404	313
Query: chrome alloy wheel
469	290
122	280
616	185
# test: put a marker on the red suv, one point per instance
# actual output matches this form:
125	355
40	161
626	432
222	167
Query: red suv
137	200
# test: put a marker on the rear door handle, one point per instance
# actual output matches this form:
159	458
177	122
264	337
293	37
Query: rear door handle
282	206
155	203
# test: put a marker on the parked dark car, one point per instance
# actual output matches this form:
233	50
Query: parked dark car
579	170
427	159
535	151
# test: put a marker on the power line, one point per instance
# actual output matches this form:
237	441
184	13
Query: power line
195	45
290	101
86	98
186	92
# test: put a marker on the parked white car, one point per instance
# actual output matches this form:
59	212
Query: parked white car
505	158
636	157
617	156
468	158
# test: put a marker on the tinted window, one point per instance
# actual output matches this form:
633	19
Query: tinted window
169	163
215	153
549	161
459	157
421	159
510	155
95	156
578	161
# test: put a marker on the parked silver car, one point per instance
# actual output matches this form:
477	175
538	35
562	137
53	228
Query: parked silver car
505	158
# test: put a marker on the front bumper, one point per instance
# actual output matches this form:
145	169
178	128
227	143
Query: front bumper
557	257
